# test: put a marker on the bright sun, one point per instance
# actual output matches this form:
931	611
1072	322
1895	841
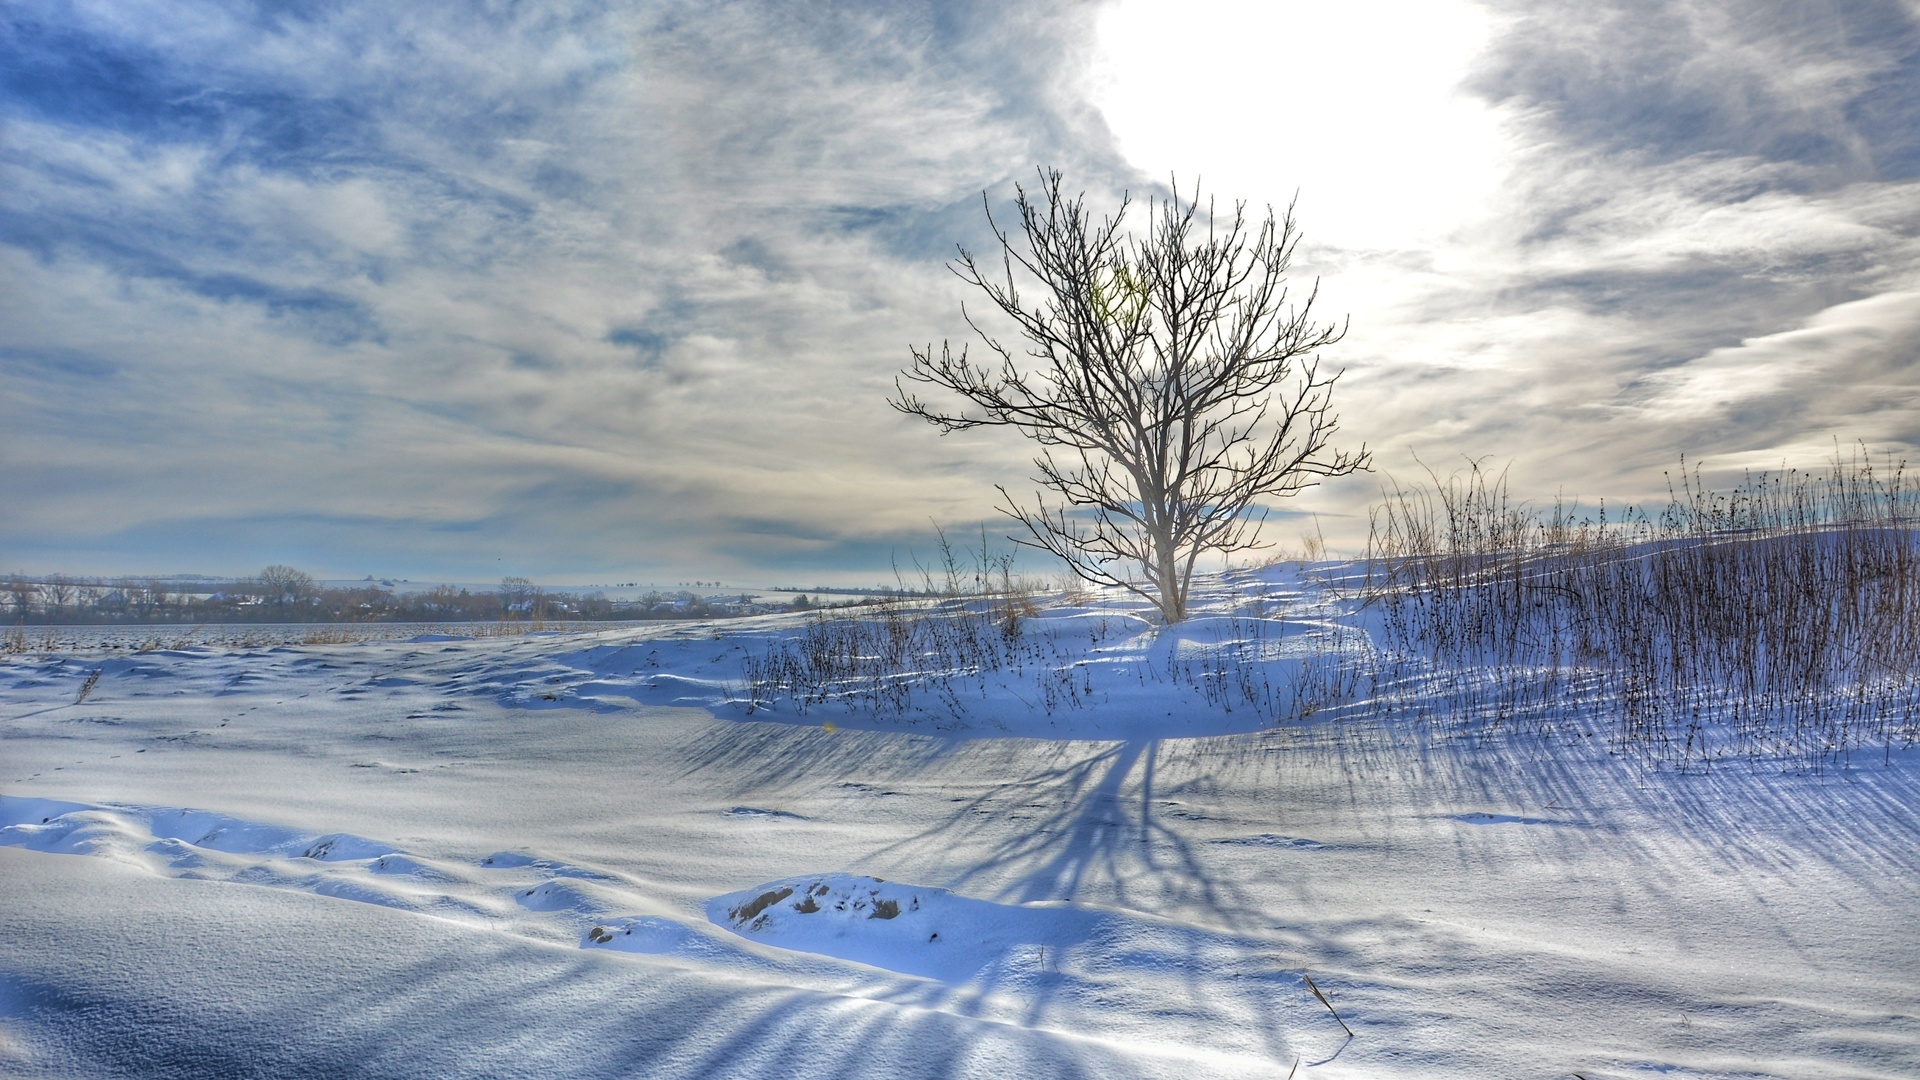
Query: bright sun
1356	105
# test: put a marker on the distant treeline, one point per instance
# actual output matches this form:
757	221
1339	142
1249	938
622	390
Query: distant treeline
281	594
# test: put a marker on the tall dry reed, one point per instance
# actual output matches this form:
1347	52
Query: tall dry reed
1780	618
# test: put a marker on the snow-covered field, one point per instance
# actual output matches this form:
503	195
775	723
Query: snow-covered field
602	854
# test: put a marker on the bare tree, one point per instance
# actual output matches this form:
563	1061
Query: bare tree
283	585
20	593
1167	380
520	594
56	593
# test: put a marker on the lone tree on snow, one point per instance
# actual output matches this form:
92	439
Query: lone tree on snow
1167	381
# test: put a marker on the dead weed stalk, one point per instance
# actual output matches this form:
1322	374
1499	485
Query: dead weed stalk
1779	619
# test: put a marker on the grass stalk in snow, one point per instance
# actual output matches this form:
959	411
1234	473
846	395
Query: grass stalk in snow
902	658
1323	1000
1780	618
1237	671
899	652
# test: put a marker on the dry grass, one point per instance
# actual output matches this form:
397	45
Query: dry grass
1311	985
904	657
897	654
902	653
752	908
1780	618
1330	669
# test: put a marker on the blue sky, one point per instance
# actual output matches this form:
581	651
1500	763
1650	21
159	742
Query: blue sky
615	291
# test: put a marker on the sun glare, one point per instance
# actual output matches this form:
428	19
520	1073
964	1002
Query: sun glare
1358	106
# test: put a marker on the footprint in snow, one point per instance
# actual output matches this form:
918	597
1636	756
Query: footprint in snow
1297	843
1479	817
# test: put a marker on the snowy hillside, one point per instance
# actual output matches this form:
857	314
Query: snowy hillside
1007	837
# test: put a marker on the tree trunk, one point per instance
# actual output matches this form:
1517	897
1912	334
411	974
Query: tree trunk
1166	574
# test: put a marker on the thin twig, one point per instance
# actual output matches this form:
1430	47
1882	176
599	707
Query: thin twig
1324	1001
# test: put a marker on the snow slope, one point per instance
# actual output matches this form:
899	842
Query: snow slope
582	855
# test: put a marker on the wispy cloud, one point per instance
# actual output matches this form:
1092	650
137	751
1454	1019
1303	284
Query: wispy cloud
594	283
584	288
1708	243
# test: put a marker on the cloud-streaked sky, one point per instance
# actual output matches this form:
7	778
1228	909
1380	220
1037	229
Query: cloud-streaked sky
615	291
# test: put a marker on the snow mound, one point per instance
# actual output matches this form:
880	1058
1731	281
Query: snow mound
912	929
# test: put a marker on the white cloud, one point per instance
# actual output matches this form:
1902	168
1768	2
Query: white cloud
625	284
